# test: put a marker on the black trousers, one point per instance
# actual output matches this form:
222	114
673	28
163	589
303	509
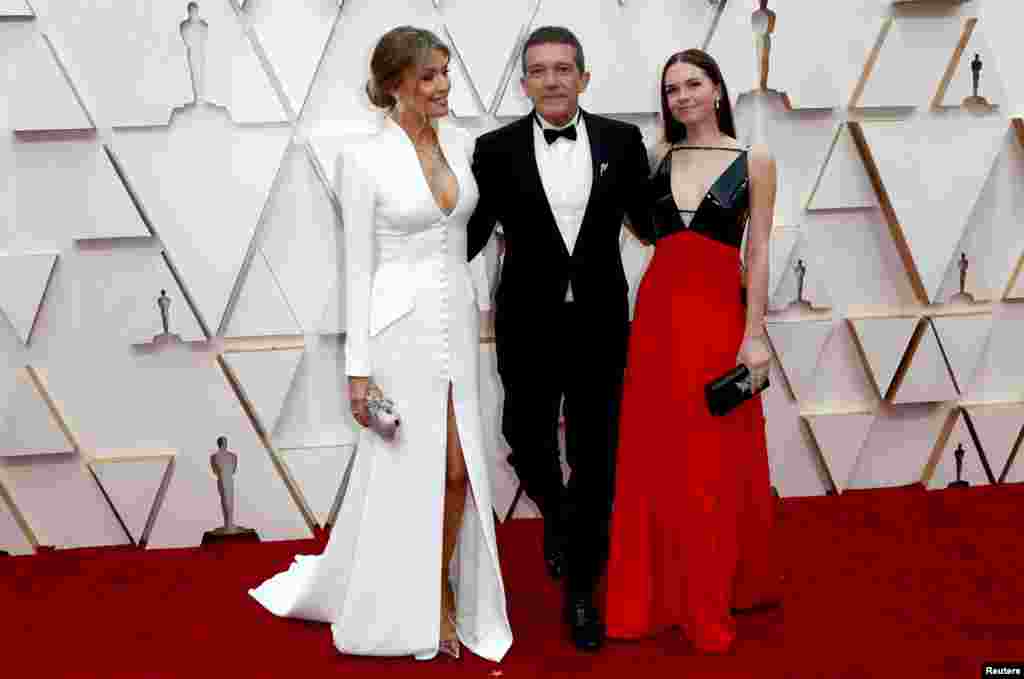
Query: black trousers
584	365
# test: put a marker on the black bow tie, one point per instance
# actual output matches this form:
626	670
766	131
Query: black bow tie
551	135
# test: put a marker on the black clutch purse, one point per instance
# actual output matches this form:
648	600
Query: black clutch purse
731	389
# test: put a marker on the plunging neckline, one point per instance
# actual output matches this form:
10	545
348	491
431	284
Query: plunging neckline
740	153
422	174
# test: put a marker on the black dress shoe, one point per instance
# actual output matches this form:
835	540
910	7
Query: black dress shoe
587	628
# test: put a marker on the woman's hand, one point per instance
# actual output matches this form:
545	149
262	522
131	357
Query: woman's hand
357	389
756	355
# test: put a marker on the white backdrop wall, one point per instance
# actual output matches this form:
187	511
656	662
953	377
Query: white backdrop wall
115	185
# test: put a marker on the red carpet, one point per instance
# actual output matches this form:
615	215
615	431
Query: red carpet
882	583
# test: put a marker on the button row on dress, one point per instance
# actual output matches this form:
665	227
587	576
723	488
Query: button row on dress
445	319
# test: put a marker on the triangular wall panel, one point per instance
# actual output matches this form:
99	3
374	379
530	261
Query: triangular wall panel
963	340
261	308
319	473
12	538
844	181
798	141
204	183
63	501
998	428
277	23
972	470
783	241
29	426
486	53
883	342
266	378
1015	473
316	412
900	444
132	65
911	62
180	399
23	283
235	78
301	238
927	378
115	298
37	94
815	291
132	488
840	438
990	84
93	202
798	346
827	80
795	465
932	204
865	269
992	250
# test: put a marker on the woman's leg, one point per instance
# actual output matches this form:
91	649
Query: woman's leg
456	483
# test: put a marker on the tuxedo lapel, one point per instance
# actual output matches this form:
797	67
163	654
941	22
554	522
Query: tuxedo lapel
595	132
533	183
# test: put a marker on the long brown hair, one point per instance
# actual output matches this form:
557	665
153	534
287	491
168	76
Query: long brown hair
675	131
397	50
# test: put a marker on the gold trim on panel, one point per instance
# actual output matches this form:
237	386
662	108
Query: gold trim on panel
239	345
840	409
864	354
1013	455
158	502
908	357
978	446
954	62
1018	127
7	499
38	379
940	445
900	240
960	310
809	429
824	167
869	65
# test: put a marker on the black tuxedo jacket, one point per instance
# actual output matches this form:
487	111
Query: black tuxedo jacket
537	265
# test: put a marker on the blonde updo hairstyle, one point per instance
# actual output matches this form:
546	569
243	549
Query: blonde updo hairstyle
396	51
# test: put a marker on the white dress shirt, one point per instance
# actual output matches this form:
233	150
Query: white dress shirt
567	175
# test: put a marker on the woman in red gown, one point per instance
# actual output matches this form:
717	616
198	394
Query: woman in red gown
693	506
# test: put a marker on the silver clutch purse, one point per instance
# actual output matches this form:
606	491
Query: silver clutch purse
383	415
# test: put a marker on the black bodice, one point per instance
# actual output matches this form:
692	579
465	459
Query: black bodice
723	211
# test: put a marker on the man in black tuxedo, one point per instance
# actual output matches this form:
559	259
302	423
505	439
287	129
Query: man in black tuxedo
560	181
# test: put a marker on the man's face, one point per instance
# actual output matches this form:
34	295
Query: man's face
553	82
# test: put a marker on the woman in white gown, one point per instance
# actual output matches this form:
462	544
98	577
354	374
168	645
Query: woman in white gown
422	502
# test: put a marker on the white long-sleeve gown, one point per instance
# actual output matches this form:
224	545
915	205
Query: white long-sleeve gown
413	324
